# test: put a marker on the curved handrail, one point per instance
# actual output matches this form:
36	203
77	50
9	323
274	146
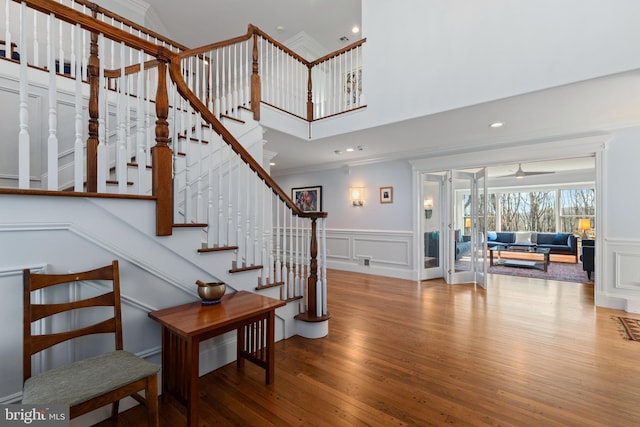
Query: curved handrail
89	23
209	117
99	9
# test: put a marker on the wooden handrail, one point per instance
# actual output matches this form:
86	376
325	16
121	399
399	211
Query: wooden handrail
99	9
345	49
91	24
255	30
209	117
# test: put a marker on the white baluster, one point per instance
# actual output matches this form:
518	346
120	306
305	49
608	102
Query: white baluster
141	158
298	271
216	106
239	252
7	29
121	144
247	231
220	223
212	239
60	48
103	149
24	141
78	156
264	260
277	237
247	63
323	264
290	273
258	207
229	196
285	264
52	141
36	49
199	202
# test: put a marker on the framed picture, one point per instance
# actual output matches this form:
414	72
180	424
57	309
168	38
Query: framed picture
386	194
308	199
352	88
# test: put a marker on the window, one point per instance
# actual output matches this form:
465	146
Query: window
574	205
541	211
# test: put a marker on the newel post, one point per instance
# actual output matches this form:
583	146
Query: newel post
93	71
161	155
313	270
309	97
255	80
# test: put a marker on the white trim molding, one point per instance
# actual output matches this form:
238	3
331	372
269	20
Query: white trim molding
381	252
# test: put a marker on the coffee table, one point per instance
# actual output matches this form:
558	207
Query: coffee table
528	261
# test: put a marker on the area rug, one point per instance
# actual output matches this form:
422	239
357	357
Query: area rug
629	328
562	271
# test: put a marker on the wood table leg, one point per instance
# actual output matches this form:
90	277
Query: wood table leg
193	370
165	362
270	332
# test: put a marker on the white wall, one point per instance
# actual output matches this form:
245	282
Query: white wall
549	43
381	233
373	215
619	235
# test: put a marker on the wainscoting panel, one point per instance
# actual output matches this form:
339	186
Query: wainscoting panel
627	271
381	252
619	261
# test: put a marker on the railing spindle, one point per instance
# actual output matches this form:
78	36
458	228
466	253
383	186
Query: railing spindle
24	140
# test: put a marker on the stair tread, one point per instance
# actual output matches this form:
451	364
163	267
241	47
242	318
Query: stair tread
306	317
218	249
247	268
191	225
269	285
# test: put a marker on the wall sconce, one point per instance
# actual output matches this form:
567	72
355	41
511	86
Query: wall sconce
467	223
357	196
428	208
584	224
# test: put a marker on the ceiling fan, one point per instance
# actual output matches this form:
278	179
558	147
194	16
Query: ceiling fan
519	174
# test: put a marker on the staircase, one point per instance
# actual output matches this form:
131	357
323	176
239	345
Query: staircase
163	178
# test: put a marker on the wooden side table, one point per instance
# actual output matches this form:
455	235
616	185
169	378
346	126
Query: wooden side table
185	326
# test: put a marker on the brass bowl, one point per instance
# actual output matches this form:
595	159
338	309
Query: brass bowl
211	292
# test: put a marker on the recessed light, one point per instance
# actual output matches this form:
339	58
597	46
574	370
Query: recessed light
349	150
337	151
355	29
272	163
496	125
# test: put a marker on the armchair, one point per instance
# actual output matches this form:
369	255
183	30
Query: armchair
587	256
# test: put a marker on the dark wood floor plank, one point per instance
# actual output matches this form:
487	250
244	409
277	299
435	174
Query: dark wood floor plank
527	352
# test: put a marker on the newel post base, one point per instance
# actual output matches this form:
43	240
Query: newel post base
162	157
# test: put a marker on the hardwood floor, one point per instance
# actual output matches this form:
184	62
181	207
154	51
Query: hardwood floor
526	353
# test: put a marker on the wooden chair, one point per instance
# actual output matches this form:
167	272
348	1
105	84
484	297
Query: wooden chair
90	383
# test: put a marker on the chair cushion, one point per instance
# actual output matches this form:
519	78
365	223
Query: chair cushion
85	379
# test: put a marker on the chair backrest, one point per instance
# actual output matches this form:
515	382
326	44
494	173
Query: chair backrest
33	312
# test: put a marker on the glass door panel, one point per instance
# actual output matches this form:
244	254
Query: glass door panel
432	225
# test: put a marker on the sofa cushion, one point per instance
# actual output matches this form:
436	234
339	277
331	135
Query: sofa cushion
523	238
561	239
505	237
545	238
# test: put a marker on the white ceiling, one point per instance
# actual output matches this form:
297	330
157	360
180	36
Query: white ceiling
196	23
584	108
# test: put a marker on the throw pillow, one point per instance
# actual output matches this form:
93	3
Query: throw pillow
560	239
458	236
492	236
523	238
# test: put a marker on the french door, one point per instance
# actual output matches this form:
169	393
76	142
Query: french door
454	225
467	227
